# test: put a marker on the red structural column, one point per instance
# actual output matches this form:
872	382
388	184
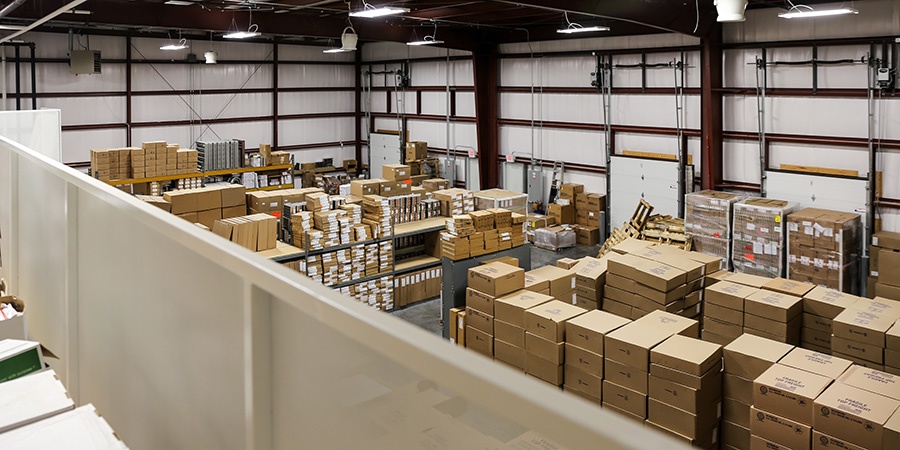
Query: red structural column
485	64
711	109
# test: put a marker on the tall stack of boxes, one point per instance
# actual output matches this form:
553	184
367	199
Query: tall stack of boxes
860	331
553	281
758	235
884	266
784	395
652	286
583	372
590	281
892	350
545	337
773	315
823	247
723	315
820	306
509	325
707	221
858	411
455	201
486	283
209	204
627	359
745	359
685	390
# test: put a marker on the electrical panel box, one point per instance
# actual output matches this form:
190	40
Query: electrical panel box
83	62
535	183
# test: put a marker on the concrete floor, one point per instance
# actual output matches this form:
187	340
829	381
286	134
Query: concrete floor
427	314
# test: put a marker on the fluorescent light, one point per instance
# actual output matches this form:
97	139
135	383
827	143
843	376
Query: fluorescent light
179	3
336	50
371	12
173	47
577	29
796	14
425	41
241	34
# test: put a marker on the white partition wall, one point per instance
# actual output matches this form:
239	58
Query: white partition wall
183	340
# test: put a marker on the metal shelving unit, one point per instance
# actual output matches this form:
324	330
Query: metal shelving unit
216	173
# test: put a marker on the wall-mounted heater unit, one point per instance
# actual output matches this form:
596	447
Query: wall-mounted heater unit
83	62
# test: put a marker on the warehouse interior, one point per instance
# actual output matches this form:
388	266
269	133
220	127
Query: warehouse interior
529	144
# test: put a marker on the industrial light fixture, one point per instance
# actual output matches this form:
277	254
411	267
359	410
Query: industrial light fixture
802	11
371	12
349	38
235	33
731	10
210	57
178	3
573	27
181	45
427	40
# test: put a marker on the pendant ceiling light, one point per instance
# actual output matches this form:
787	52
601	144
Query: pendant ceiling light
370	12
572	27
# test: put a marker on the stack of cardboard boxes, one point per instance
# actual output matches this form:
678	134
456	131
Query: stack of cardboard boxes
553	281
884	266
860	331
455	201
823	247
256	232
516	202
773	315
707	221
583	372
820	306
758	236
435	184
509	325
858	411
377	215
685	390
637	286
545	337
563	211
627	359
421	166
206	205
486	283
479	233
590	281
745	359
892	350
723	315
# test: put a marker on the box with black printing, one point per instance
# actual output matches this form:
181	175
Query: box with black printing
631	344
511	308
588	330
749	356
773	305
815	362
828	303
496	279
789	391
728	295
582	381
683	422
872	380
479	341
542	348
780	430
626	376
584	360
862	326
548	320
853	414
628	400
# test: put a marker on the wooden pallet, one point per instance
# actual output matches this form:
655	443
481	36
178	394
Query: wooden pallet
630	229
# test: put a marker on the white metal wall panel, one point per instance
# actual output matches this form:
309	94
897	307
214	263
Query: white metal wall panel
435	133
303	131
53	45
465	104
561	71
382	123
634	179
159	77
386	51
85	110
818	192
815	155
288	52
403	101
803	115
740	161
385	149
602	43
646	143
435	103
316	102
379	102
160	108
654	110
253	133
55	77
181	135
577	146
578	108
174	107
77	145
434	73
148	48
317	154
315	75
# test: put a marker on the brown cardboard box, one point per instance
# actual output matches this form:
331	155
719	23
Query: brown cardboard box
726	330
566	263
723	314
511	308
789	287
395	172
876	381
543	369
821	441
542	348
737	388
630	245
587	235
891	437
548	320
691	425
788	332
496	279
736	412
729	295
191	217
659	276
588	330
887	291
691	400
479	341
780	430
759	443
862	326
734	436
564	214
509	353
817	340
508	333
454	316
625	399
416	151
591	273
817	322
881	306
570	190
582	381
828	303
479	300
584	360
788	391
886	239
479	320
626	376
774	306
825	365
360	188
853	414
687	355
208	218
618	308
892	337
631	344
707	381
558	281
461	328
749	356
673	323
234	211
182	201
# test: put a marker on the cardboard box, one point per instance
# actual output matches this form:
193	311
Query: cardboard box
788	391
479	320
881	306
511	308
585	382
734	436
543	369
183	202
892	337
726	330
548	320
509	353
591	273
817	323
416	151
774	306
789	287
728	295
687	355
690	425
587	235
736	412
631	344
633	378
568	191
822	441
862	326
564	214
453	329
479	300
737	388
821	364
673	323
208	218
584	360
691	400
508	333
625	399
788	332
828	303
360	188
749	356
479	341
558	281
708	381
395	172
872	380
588	330
542	348
722	314
853	414
496	279
780	430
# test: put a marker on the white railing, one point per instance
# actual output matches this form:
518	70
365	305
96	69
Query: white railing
185	341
